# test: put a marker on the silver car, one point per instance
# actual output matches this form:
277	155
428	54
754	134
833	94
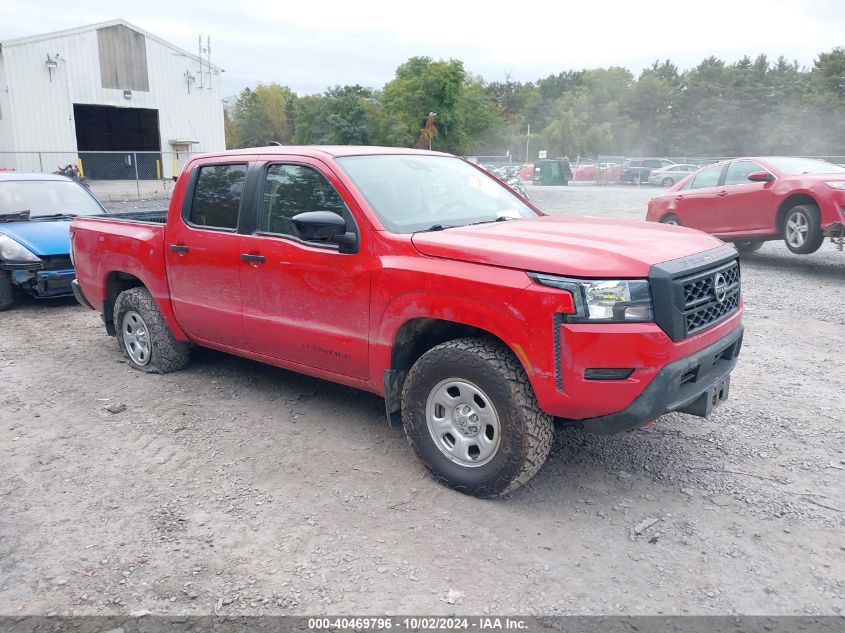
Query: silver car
668	176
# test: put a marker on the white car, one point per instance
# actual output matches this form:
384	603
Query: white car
668	176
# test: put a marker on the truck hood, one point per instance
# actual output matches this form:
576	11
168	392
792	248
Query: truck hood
45	237
576	246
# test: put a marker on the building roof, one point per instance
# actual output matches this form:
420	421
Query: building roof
20	41
326	151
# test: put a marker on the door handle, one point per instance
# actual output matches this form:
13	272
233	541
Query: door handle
178	248
722	193
247	257
679	197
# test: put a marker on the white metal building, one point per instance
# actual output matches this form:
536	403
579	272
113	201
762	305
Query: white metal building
106	87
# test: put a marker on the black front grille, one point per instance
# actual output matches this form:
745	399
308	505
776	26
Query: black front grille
694	293
57	262
710	314
21	266
710	296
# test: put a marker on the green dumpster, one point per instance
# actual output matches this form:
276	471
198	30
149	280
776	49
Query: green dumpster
552	172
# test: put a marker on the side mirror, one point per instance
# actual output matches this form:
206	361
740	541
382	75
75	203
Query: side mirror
325	226
761	176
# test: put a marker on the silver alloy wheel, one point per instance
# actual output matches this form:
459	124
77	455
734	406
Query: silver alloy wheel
797	227
136	338
463	422
671	222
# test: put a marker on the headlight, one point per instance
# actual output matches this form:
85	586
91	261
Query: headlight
836	184
11	251
605	300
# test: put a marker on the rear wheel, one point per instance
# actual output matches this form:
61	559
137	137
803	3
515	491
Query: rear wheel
671	218
143	337
7	292
750	246
801	229
471	416
667	182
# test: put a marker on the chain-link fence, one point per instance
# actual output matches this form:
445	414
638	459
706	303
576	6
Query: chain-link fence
111	176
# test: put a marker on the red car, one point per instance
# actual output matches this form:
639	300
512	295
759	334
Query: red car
752	200
423	279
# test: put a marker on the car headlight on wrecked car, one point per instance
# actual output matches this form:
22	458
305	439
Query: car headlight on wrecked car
12	252
604	300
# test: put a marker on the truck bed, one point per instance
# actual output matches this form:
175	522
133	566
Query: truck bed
157	216
132	243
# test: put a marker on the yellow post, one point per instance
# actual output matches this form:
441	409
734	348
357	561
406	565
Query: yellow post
158	169
79	167
173	169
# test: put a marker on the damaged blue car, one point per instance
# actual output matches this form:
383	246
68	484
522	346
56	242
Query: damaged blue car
35	215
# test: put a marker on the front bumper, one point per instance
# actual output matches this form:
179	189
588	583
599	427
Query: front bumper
44	284
693	384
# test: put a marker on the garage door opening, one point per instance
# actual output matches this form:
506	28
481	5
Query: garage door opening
132	133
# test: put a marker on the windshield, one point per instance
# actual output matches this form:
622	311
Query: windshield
795	166
415	193
46	197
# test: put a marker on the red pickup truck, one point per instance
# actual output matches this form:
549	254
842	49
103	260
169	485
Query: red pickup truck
419	277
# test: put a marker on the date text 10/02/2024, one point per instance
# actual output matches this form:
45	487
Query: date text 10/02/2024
418	623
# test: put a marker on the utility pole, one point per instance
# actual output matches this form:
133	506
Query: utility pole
527	141
429	125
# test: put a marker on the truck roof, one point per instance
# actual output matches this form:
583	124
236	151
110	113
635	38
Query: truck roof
323	151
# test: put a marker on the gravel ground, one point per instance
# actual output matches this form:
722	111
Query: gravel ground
238	488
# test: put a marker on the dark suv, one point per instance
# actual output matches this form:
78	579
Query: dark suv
636	170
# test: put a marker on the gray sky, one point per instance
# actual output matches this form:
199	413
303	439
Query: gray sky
310	46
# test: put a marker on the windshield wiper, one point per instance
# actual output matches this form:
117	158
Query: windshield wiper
501	218
15	216
55	216
438	227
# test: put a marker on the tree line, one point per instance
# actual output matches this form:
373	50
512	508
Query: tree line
749	107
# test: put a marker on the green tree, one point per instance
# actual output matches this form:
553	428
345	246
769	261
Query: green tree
344	115
422	86
262	115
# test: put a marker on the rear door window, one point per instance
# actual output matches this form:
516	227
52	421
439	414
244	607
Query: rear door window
707	178
217	196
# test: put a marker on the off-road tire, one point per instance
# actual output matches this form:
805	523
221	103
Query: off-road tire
749	246
167	354
526	431
667	182
815	237
671	218
7	291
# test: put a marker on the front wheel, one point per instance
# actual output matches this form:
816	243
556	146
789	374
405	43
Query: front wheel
667	182
801	229
471	416
143	336
672	219
7	292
